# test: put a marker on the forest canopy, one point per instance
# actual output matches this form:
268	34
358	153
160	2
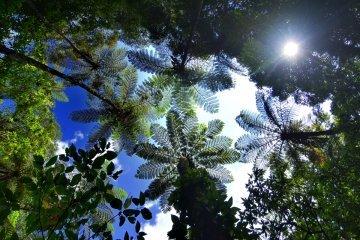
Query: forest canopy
138	77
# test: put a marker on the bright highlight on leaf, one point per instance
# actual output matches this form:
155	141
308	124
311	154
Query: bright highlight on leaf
291	49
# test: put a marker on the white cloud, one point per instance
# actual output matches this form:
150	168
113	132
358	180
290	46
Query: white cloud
61	145
78	135
159	230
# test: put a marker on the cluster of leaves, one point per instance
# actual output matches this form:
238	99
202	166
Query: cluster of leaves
317	200
185	144
23	132
69	196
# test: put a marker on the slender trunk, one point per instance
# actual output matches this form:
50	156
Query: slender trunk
28	60
184	57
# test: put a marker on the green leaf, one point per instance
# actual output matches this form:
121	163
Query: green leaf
69	169
137	226
98	162
75	180
126	236
147	215
116	174
116	203
102	144
38	161
110	168
52	161
122	220
127	203
131	220
110	155
3	215
142	199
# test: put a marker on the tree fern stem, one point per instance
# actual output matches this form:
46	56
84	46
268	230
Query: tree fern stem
191	35
298	136
28	60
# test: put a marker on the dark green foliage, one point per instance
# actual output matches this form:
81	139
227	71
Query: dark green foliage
318	200
204	211
185	144
67	196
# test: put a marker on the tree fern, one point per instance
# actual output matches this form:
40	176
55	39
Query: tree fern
184	144
273	131
135	106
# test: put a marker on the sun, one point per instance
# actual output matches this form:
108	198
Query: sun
290	49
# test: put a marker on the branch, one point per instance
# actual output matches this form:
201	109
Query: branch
28	60
82	54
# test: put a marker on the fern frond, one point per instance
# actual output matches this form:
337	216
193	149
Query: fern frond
220	173
128	83
206	99
217	80
190	123
160	135
231	64
147	61
253	123
214	128
183	100
150	170
153	153
104	131
210	159
87	115
175	127
164	200
158	187
218	143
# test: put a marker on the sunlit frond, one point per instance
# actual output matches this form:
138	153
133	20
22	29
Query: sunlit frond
147	61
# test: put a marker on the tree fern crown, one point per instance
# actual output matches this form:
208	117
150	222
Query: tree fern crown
184	144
